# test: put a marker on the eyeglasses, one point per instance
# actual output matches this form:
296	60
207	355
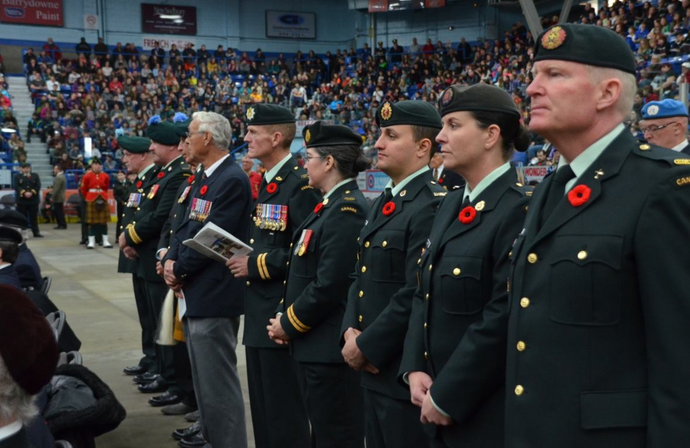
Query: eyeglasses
189	134
652	129
307	158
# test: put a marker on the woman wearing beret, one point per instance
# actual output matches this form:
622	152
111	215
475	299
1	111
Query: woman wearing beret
322	255
454	357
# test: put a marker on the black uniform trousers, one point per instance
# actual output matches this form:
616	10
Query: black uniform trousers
184	384
380	410
59	211
155	295
31	213
333	396
148	324
274	391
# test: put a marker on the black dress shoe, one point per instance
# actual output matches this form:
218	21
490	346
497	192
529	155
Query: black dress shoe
134	370
38	235
145	378
159	385
180	434
197	440
165	400
60	227
177	409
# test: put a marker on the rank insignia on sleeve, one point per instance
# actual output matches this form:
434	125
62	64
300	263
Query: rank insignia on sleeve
682	161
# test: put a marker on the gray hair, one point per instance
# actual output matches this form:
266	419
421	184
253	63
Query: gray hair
15	403
217	125
628	86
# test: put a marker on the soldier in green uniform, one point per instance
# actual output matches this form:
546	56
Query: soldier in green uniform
454	359
140	162
27	188
143	233
598	335
285	201
324	251
380	298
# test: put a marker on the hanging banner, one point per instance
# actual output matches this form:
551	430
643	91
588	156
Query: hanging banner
291	25
378	5
168	19
149	42
32	12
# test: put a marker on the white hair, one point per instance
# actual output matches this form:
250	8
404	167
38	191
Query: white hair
15	402
628	86
217	125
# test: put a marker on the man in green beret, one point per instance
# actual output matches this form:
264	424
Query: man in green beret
143	233
285	200
390	243
598	335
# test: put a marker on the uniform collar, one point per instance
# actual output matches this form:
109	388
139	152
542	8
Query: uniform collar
145	170
10	430
273	171
171	162
486	182
398	188
335	187
680	146
209	171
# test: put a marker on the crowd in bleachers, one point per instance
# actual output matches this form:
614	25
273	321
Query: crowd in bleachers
107	92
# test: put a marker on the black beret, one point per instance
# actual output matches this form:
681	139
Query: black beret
26	165
264	114
11	235
13	218
135	145
322	134
27	343
415	113
164	133
477	98
586	44
95	161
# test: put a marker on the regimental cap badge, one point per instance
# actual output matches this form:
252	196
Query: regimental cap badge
250	113
386	111
307	136
447	97
653	110
554	38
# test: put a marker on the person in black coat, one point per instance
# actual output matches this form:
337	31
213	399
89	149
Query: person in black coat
121	194
210	299
285	200
27	187
454	357
385	278
324	251
598	331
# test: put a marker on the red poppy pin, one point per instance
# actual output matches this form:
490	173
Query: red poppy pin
161	175
272	187
389	208
440	180
203	190
318	208
191	179
467	215
139	184
579	195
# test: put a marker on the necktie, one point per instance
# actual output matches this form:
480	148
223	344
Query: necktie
387	197
435	173
556	191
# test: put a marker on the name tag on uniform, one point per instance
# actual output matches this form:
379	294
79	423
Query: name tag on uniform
303	243
271	216
153	191
200	210
184	194
134	200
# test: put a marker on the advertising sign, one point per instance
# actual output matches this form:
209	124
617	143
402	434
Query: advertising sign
291	25
32	12
148	42
168	19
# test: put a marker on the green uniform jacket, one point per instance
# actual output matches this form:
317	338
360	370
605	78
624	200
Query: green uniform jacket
268	262
459	320
144	232
385	279
598	336
124	264
319	276
30	183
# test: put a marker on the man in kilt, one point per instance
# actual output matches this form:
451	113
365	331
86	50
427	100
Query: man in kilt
94	188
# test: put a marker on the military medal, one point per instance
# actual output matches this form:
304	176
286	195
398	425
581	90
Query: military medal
303	243
200	209
153	191
134	200
184	194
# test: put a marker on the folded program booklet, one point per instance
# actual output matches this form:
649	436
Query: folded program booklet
216	243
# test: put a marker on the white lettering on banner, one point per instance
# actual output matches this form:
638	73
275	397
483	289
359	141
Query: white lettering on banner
31	4
148	42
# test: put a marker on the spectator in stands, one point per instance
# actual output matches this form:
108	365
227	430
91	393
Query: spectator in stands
540	159
254	177
2	65
83	48
101	51
52	49
28	57
109	163
35	127
37	85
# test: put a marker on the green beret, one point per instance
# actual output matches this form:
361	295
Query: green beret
263	114
477	98
586	44
135	145
181	127
164	133
415	113
322	134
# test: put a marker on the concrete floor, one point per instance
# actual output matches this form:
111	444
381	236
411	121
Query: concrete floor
100	308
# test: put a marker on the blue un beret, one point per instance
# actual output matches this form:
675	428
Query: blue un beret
663	109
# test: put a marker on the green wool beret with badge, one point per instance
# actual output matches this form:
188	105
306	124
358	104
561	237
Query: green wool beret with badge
135	145
162	132
266	114
322	134
413	113
477	98
586	44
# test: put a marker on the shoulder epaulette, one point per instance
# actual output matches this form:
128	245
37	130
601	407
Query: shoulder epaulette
657	153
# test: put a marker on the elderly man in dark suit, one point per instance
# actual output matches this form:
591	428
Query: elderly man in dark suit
210	298
665	123
598	335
